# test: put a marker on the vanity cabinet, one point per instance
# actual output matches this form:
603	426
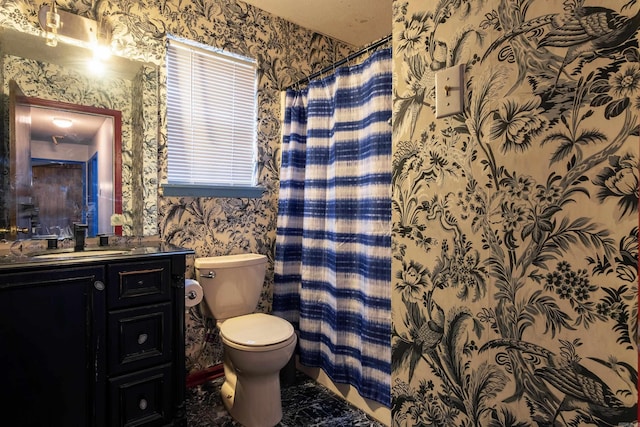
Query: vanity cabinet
93	343
52	339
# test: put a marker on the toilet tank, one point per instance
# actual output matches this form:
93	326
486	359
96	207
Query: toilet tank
232	284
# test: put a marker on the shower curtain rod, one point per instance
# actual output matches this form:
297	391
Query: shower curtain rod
342	61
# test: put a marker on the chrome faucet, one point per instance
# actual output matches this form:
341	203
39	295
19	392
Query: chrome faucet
79	234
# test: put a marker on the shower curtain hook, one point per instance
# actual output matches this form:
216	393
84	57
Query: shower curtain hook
306	79
370	50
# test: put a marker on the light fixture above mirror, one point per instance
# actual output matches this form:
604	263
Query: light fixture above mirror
72	29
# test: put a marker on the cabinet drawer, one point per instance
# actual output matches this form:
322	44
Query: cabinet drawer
142	398
139	337
139	283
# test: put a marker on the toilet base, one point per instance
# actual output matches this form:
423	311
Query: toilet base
253	401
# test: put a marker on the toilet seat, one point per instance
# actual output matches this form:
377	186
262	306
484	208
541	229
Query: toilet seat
256	332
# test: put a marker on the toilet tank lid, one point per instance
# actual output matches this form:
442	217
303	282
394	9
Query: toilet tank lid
239	260
257	329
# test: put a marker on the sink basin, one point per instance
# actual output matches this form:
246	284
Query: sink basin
80	254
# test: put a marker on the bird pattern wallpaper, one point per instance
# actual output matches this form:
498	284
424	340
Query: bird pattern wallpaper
515	221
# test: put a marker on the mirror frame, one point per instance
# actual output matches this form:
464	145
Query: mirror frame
117	140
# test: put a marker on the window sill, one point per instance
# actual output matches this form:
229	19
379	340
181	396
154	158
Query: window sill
196	190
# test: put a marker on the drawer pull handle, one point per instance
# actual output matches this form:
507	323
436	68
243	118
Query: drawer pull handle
98	285
209	275
142	338
140	282
142	404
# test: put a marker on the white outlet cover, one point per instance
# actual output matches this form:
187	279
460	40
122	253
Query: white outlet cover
449	102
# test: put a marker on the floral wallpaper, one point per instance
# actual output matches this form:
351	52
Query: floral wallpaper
144	175
515	222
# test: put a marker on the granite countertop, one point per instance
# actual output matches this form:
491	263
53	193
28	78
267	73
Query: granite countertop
23	253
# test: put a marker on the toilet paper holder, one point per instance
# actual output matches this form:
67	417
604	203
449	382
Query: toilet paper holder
192	293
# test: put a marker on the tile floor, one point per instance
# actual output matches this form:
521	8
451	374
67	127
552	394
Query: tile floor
305	403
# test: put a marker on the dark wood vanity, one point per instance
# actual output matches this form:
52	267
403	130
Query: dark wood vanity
93	341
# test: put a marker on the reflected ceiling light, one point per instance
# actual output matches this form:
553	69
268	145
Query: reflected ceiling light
62	123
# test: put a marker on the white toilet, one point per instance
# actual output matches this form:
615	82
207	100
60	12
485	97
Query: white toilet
256	345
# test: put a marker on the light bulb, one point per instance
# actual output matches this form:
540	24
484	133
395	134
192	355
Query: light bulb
96	67
52	39
53	18
101	52
52	23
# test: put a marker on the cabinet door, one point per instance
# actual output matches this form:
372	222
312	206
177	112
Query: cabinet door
52	347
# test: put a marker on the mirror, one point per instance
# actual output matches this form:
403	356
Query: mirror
72	151
58	77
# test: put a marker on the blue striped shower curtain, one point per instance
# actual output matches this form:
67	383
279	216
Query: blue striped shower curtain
333	244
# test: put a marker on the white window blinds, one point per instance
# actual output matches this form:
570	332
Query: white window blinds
211	117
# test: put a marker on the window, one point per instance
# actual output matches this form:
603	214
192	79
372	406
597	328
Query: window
211	122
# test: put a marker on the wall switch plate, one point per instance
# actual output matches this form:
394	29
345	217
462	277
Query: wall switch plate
449	91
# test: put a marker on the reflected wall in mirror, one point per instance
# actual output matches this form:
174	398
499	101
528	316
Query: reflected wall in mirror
75	154
131	89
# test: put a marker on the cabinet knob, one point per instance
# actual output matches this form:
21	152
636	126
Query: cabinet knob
142	338
142	404
98	285
140	282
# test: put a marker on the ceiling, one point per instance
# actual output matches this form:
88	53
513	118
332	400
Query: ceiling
357	22
83	130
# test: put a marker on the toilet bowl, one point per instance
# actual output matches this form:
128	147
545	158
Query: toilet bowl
256	346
